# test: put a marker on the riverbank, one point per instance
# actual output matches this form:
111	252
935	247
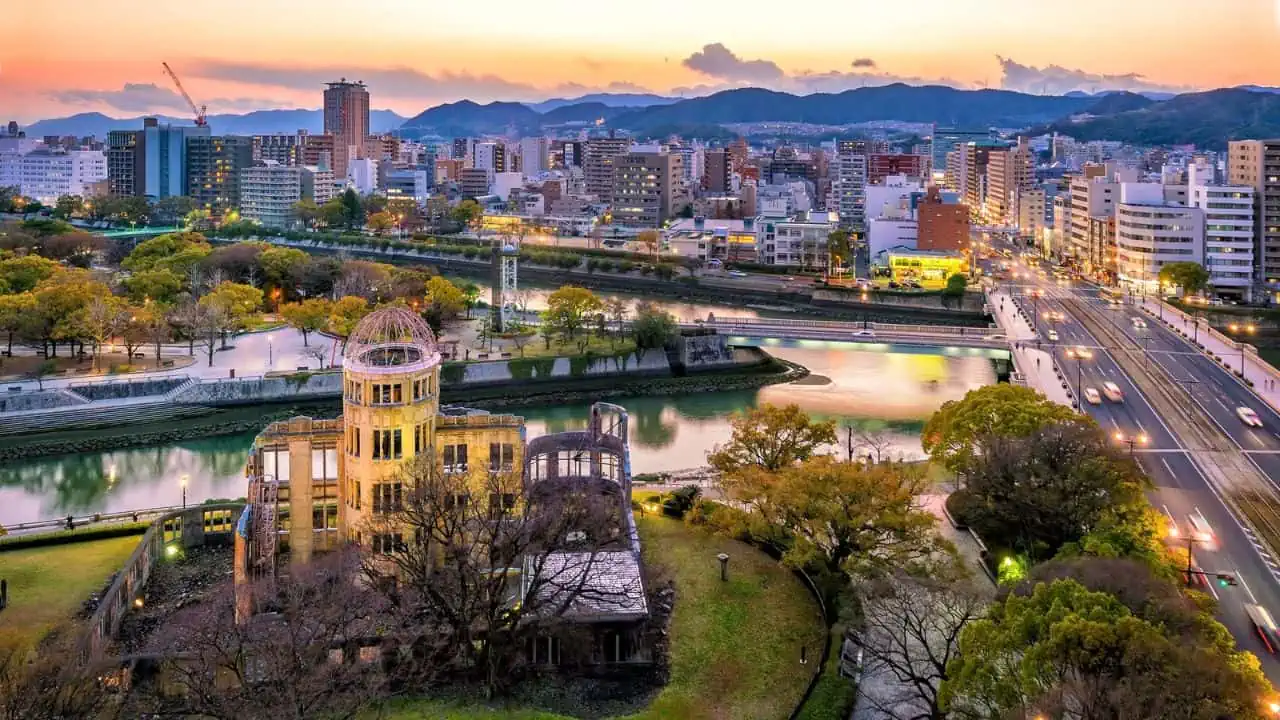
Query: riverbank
233	421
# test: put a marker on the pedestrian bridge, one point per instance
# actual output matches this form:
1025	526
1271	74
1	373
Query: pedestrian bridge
871	333
139	232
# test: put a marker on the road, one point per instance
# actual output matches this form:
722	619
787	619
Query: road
1181	488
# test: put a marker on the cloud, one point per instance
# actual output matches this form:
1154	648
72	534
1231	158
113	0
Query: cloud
717	61
1058	80
149	97
863	62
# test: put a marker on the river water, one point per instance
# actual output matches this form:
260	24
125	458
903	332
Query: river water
883	389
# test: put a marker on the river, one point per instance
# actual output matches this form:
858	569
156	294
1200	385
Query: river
881	389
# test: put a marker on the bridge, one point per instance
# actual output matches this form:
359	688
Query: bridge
942	336
139	232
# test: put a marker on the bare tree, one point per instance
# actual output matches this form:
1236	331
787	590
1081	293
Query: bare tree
861	441
315	650
485	566
211	321
52	683
910	633
319	351
187	317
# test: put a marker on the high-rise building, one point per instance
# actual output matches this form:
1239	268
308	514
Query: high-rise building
1151	233
1228	231
849	183
535	154
491	156
977	157
644	187
474	182
941	225
214	165
597	164
321	150
1256	163
1090	227
346	116
1009	170
269	192
126	166
881	166
281	148
946	140
717	180
165	152
46	175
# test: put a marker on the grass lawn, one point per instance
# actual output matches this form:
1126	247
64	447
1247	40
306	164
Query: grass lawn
47	585
536	347
735	646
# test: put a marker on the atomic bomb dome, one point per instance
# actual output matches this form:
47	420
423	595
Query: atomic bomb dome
391	340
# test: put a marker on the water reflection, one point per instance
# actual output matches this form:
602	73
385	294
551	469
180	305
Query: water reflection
536	297
889	392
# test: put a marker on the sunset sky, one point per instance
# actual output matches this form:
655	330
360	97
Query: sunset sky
66	56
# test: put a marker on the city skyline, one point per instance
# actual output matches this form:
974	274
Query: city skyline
428	56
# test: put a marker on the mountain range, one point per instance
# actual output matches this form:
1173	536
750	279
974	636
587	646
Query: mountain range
258	122
1205	119
615	100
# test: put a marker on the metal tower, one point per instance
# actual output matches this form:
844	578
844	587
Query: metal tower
510	281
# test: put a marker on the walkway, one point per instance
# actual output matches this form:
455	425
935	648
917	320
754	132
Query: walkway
1036	366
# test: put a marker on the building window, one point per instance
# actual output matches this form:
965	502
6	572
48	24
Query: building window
275	463
419	438
500	503
616	647
387	497
501	456
324	516
387	445
545	651
324	463
388	394
387	543
217	521
353	441
455	458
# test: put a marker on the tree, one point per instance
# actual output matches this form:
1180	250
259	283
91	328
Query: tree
44	369
771	438
346	313
170	209
956	284
333	213
1002	409
616	310
307	212
653	327
186	318
1191	277
238	262
233	304
381	222
159	284
1038	492
307	316
318	351
67	206
14	311
651	241
467	214
352	210
174	251
569	307
1066	651
470	296
22	274
280	269
56	310
840	248
910	632
155	324
102	319
458	527
134	330
316	277
363	278
303	659
546	330
53	682
444	297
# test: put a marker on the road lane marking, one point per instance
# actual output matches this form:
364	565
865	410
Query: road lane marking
1252	598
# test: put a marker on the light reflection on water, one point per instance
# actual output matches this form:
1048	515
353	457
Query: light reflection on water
891	392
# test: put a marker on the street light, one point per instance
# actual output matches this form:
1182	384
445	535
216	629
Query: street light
271	360
1236	329
1079	355
183	482
1131	440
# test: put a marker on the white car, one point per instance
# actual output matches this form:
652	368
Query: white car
1200	529
1112	391
737	274
1139	323
1053	335
864	334
1092	397
1248	417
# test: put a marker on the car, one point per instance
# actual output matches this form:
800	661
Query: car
1112	391
864	334
1083	352
788	278
1053	335
737	274
893	285
1139	323
1263	625
1200	529
1248	417
1092	397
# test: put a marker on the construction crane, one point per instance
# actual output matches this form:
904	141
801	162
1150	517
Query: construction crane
198	111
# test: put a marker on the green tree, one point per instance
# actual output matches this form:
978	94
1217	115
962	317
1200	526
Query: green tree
352	210
1002	409
56	311
177	252
381	222
569	308
307	212
769	437
158	284
101	320
1191	277
169	210
467	213
651	241
956	284
1066	651
41	371
470	296
22	274
840	248
307	316
281	267
68	206
653	327
444	297
333	213
14	311
234	304
346	312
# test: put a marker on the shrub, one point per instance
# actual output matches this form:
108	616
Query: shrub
679	502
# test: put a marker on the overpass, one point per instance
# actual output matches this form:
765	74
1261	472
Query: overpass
937	336
139	232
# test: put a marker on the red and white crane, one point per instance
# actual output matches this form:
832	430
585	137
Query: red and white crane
198	111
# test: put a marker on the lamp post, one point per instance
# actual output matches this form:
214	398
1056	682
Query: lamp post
1079	356
183	482
1237	329
1131	440
271	355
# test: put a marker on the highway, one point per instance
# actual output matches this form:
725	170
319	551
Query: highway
1181	487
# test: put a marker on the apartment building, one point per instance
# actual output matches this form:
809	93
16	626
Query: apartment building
882	166
799	241
1009	170
946	140
46	174
1151	233
977	158
126	166
280	148
943	226
474	182
597	164
165	157
346	118
1256	163
214	165
268	193
1092	194
849	184
717	180
644	188
1229	232
535	155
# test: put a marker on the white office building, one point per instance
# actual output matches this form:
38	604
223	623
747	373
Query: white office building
268	193
1150	233
45	175
535	154
849	188
362	175
1228	231
799	242
892	198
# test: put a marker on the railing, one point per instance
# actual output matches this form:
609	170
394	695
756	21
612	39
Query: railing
846	325
478	420
96	518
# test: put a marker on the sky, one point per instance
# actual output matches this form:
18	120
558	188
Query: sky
60	57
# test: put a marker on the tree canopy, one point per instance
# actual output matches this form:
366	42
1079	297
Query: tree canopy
1010	410
771	438
569	308
1190	276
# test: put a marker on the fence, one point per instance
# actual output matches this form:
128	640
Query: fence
197	525
842	325
97	518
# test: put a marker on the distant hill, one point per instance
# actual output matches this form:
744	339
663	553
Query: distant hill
1113	103
258	122
904	103
616	100
469	118
580	112
1207	119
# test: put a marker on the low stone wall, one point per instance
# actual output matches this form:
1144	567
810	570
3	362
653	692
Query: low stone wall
293	387
38	400
118	389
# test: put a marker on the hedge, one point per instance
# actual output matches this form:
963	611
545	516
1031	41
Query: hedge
80	534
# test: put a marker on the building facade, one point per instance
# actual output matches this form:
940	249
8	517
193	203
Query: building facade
849	185
597	164
1228	233
346	118
268	193
799	242
1151	233
214	165
165	152
644	188
882	166
946	140
1256	163
126	166
943	226
46	175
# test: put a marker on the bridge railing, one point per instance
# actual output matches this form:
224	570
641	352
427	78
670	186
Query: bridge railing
951	330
